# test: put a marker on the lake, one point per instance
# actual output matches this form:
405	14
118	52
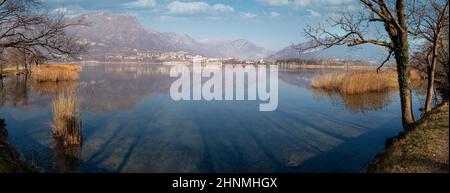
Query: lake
131	124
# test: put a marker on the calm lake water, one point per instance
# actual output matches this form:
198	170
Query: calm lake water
131	124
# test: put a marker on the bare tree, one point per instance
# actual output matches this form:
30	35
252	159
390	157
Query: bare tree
382	23
15	57
431	19
2	62
25	26
444	54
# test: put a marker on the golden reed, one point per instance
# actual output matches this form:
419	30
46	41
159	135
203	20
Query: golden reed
357	82
67	124
55	72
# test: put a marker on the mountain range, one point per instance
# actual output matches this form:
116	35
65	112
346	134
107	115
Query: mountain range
113	32
367	52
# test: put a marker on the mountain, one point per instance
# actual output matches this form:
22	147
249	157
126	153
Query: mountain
112	32
367	52
116	32
239	49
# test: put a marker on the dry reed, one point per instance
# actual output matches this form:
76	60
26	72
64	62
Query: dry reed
67	124
356	82
360	81
55	72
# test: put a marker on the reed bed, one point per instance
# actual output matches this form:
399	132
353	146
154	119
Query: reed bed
356	82
55	72
67	124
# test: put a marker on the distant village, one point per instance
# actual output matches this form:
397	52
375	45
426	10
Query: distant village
183	57
168	58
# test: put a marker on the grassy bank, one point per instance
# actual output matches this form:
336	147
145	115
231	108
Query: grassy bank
55	72
359	81
9	158
423	149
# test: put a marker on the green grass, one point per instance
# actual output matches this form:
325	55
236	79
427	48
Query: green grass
423	149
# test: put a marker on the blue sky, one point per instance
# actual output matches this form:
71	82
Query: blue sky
273	24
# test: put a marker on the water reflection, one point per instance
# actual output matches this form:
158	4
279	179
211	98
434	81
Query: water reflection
14	91
67	158
302	77
109	88
357	103
54	88
67	129
132	125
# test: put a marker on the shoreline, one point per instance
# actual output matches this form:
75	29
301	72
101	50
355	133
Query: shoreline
423	149
280	65
10	161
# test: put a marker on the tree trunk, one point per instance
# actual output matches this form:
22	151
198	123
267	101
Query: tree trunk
1	65
405	92
431	74
430	88
399	37
25	64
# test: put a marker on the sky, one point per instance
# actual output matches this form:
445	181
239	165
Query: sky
273	24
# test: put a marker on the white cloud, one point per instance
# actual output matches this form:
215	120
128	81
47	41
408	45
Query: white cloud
187	7
336	2
274	14
248	15
313	13
178	7
69	11
275	2
222	8
301	3
304	3
141	4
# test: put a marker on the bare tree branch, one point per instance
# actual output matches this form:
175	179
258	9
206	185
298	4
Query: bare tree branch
385	61
25	27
